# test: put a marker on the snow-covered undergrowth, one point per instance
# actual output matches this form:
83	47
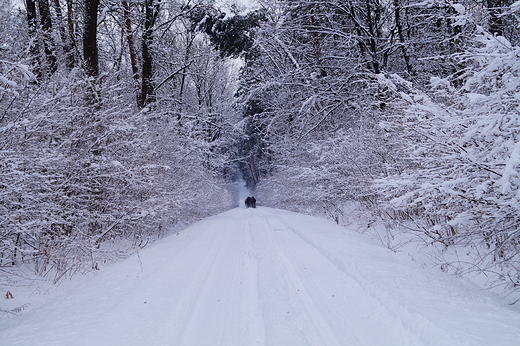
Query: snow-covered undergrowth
460	260
459	189
85	183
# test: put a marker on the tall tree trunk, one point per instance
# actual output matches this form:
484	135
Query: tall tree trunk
366	23
72	31
130	40
147	85
190	38
400	34
65	39
48	45
32	24
90	49
372	21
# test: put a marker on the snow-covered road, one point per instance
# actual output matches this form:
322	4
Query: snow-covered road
267	277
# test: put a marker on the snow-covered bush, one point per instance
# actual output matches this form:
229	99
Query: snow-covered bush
77	177
322	176
85	176
461	184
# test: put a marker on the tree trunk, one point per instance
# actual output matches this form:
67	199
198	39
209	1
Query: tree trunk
70	25
147	85
366	23
372	21
32	24
130	40
400	34
65	39
90	49
48	45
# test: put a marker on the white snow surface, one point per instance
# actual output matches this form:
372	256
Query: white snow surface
267	277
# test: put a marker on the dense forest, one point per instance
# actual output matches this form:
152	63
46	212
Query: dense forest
120	120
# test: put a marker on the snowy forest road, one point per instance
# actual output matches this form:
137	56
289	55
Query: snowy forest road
267	277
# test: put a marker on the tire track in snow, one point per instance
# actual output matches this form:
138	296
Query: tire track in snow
200	298
307	295
342	299
225	310
252	328
186	280
289	315
267	277
412	323
121	297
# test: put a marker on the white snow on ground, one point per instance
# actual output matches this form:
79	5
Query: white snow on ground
267	277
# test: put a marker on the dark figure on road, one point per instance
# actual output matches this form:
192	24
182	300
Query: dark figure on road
250	202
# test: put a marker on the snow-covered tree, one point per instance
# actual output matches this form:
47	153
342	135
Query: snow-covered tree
82	166
461	184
